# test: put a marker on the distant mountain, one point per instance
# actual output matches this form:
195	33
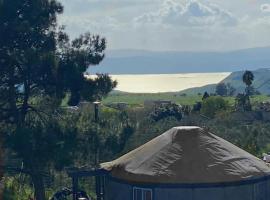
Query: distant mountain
261	83
151	62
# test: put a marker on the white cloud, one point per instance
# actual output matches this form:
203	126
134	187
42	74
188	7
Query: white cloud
79	24
192	13
187	25
265	7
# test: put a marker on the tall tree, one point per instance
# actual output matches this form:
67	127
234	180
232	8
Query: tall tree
243	100
39	67
248	78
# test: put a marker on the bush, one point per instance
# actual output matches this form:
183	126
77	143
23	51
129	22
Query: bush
197	107
164	111
212	105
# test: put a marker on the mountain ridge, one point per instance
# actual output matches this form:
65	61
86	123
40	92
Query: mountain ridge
261	83
169	62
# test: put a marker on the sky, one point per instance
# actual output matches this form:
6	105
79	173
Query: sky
171	25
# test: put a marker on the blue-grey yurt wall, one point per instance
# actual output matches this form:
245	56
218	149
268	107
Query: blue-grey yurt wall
115	190
187	163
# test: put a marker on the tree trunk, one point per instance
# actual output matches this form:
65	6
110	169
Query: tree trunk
38	186
1	171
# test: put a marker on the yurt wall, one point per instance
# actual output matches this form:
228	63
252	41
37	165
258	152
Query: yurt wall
250	190
116	190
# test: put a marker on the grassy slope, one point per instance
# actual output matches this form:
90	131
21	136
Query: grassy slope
138	99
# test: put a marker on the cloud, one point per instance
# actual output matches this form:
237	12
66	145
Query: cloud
79	24
192	13
265	7
185	25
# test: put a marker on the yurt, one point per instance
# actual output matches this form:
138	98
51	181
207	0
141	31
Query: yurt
187	163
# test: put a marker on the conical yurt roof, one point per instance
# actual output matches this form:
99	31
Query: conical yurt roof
187	155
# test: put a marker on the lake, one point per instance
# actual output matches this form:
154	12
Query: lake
155	83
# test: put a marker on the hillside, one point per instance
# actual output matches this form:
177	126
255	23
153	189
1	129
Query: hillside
261	83
151	62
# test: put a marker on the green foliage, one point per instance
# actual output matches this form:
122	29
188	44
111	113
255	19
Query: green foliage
212	105
253	137
98	87
103	140
43	148
242	102
147	129
40	143
248	78
37	59
27	54
134	99
137	100
39	66
77	56
16	188
167	110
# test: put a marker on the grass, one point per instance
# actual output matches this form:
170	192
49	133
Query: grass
260	98
138	99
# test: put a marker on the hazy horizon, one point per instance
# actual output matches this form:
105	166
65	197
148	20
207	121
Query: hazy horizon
187	51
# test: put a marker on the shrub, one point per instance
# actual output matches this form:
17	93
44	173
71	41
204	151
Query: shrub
212	105
168	110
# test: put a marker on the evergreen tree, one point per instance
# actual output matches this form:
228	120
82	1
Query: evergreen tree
39	67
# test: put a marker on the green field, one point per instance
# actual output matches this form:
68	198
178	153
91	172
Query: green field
138	99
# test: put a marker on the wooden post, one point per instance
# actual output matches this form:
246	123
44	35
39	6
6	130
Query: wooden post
1	171
102	187
97	177
98	185
96	105
74	187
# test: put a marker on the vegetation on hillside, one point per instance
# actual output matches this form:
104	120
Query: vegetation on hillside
235	80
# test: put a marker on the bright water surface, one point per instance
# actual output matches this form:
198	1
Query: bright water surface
154	83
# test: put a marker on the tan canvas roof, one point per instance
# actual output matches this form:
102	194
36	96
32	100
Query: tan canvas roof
187	155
